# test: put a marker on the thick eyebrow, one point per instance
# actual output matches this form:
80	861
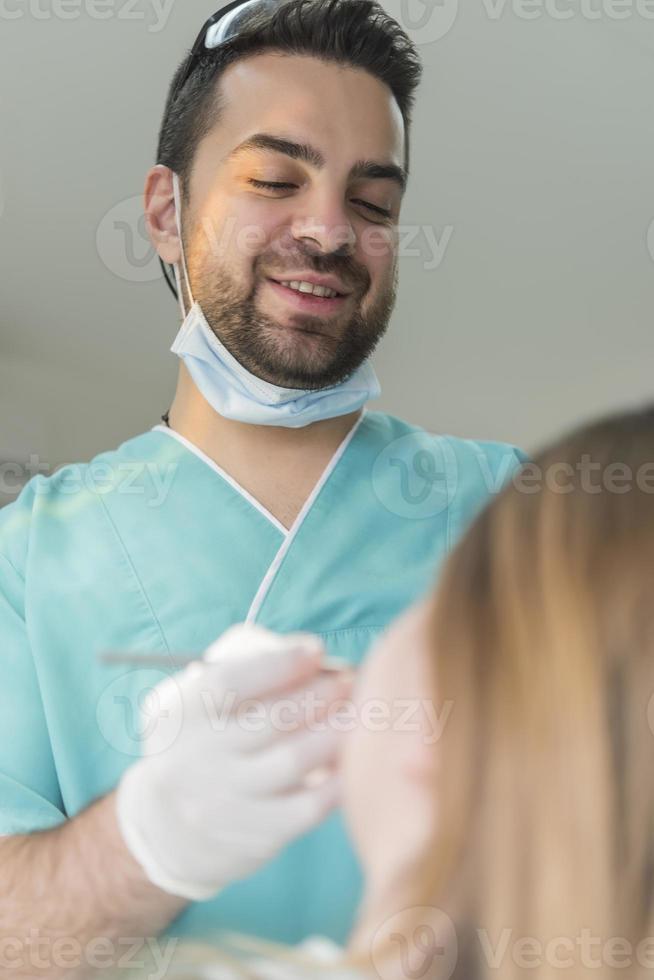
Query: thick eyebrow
369	169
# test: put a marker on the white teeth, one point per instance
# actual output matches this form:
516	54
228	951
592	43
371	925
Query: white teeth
307	287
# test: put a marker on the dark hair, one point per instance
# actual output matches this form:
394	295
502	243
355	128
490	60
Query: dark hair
356	33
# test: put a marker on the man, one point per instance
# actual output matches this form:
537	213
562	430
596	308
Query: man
283	159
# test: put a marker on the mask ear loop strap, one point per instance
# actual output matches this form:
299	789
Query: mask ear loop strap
178	218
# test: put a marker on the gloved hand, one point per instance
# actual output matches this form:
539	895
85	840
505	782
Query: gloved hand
222	783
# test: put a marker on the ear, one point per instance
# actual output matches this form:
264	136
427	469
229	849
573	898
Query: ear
159	207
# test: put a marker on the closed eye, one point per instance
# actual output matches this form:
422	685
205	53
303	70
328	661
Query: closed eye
279	187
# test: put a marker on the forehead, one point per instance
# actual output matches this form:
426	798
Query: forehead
345	112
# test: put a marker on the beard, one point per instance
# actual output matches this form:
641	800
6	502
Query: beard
312	353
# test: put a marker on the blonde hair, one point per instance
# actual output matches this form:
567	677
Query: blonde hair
542	635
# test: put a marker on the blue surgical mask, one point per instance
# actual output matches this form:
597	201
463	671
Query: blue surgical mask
235	392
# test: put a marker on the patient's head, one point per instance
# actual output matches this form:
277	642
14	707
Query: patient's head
529	822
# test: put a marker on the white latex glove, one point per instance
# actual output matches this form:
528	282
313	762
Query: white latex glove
218	791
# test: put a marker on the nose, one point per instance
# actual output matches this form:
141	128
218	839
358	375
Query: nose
327	225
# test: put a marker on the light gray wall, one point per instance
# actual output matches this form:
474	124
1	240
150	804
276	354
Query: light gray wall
532	163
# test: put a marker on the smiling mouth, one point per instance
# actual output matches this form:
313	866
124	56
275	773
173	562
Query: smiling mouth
307	302
279	282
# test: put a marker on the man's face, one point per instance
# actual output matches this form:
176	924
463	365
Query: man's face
239	236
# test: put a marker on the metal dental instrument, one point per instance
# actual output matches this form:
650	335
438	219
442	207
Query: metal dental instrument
179	660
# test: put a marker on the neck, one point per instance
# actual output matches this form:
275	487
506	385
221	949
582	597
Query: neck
192	417
381	910
377	905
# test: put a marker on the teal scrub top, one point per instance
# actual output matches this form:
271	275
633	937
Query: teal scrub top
152	548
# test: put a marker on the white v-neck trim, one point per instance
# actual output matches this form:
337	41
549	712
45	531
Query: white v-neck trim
228	479
287	533
269	577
